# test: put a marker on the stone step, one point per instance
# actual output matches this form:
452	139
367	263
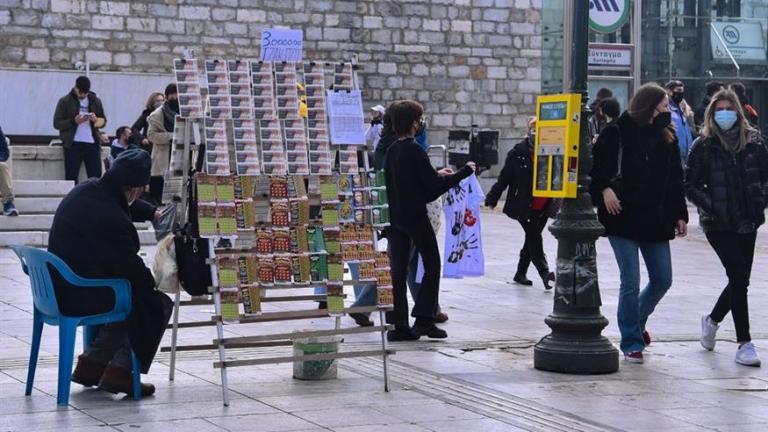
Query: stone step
37	205
26	223
40	238
41	222
42	188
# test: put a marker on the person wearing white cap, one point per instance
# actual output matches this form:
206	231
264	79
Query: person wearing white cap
373	134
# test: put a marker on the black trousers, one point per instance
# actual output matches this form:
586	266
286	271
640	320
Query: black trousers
80	152
533	248
423	238
736	252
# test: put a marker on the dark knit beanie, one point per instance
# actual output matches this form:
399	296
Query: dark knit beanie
131	168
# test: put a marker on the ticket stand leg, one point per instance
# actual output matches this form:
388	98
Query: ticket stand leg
384	348
174	334
222	356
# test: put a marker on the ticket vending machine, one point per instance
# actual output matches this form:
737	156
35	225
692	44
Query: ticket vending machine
556	152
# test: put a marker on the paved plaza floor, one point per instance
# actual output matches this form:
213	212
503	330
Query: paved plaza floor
480	379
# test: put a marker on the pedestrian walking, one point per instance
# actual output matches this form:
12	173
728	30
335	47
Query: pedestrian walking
637	187
750	112
682	117
78	117
93	233
531	213
711	87
160	132
597	120
373	134
140	127
6	183
411	183
727	179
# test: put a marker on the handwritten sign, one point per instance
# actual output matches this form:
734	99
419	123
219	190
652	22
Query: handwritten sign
345	112
282	45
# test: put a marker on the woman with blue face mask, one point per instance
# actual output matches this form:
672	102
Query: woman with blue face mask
727	179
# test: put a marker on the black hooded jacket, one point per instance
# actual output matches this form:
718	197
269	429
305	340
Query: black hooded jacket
651	188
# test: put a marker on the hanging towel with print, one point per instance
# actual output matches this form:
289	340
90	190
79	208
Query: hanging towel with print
463	252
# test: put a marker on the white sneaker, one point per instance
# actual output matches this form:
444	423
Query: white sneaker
747	355
708	333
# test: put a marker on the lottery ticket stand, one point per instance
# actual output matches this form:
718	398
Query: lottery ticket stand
277	215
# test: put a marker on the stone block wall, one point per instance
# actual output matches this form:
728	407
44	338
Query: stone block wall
468	61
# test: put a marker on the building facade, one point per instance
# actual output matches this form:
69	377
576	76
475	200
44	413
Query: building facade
468	61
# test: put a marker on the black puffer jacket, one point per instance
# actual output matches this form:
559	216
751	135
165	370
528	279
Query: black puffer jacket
730	189
517	177
651	192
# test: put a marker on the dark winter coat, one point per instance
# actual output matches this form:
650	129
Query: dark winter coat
730	189
68	108
4	152
140	127
651	190
412	181
517	177
93	233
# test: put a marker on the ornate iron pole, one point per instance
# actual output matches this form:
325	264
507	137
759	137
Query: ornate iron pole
576	344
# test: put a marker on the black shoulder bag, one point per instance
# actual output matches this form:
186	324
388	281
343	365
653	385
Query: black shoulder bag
191	250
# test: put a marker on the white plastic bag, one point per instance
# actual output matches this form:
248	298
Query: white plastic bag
165	269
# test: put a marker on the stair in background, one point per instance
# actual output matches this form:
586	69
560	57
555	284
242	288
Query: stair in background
37	201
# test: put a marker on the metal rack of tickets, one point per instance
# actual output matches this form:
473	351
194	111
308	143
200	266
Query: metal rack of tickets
277	216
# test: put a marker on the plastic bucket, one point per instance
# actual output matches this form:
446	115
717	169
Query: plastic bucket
315	369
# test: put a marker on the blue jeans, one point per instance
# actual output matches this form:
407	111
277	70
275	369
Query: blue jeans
365	293
636	306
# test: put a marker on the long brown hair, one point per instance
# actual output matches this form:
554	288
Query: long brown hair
643	105
710	129
150	105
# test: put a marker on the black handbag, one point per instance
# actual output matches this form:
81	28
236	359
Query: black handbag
191	257
192	252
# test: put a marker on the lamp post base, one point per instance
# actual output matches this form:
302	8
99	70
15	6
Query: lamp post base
582	350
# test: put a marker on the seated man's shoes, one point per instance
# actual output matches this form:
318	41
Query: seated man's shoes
118	380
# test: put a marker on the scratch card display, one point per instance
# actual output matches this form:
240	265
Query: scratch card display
219	102
342	76
318	138
216	147
335	299
188	85
230	304
251	296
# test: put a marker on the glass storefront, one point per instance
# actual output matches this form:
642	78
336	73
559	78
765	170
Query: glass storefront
696	41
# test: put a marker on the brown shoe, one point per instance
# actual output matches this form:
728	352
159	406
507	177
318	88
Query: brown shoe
441	318
118	380
88	371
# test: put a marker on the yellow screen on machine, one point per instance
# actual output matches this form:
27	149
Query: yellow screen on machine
556	152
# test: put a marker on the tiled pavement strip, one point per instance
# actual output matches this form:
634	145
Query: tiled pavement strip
480	379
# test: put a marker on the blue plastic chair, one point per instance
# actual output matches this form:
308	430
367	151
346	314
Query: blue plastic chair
35	262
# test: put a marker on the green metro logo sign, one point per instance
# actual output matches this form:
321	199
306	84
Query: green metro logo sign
607	16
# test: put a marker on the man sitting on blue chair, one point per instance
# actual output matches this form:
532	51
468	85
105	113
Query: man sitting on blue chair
93	233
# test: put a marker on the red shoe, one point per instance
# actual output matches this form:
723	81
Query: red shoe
646	338
634	357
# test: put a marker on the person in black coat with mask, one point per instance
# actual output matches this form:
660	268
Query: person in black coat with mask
411	183
727	179
532	213
637	186
93	233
